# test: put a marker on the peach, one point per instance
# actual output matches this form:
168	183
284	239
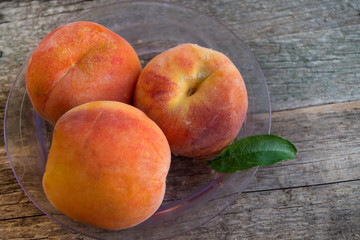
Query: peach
197	97
77	63
107	165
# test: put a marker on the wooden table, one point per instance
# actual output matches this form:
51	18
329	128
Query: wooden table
310	54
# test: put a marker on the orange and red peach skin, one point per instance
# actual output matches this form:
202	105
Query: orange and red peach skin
197	97
77	63
107	165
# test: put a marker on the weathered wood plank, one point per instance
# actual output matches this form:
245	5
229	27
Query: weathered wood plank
311	68
36	227
317	212
307	50
322	158
269	19
6	174
315	165
329	211
327	138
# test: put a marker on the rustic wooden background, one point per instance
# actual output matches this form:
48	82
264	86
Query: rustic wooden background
310	54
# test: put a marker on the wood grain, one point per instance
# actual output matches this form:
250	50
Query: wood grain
307	50
309	53
312	171
327	138
314	212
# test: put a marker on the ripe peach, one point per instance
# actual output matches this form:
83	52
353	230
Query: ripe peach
77	63
107	165
197	97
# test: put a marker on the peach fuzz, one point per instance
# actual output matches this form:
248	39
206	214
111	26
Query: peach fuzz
77	63
197	97
107	165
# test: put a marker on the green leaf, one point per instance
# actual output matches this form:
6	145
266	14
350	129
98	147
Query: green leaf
252	151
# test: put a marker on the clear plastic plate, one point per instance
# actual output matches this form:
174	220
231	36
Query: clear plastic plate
195	193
